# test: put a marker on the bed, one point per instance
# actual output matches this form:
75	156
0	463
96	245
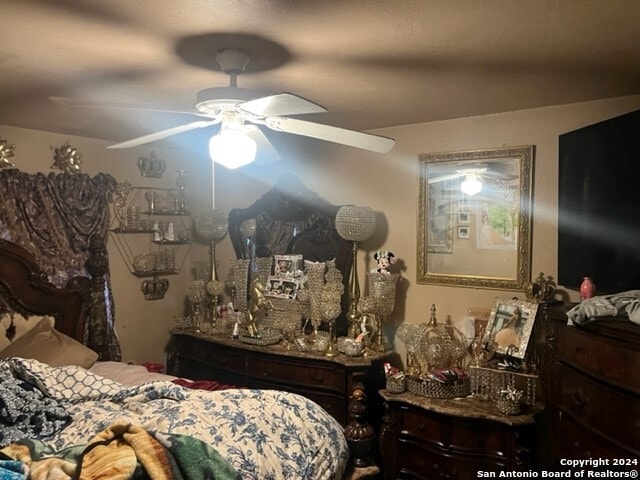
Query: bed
61	413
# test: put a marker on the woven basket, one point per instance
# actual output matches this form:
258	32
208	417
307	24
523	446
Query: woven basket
460	388
395	385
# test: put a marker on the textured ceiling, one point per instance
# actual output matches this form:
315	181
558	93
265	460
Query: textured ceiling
372	63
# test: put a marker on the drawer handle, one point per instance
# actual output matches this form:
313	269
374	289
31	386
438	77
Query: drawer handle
268	372
579	350
579	399
577	447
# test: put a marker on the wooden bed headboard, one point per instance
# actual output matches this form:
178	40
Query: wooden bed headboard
26	290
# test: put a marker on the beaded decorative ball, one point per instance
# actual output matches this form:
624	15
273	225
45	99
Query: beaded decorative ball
355	223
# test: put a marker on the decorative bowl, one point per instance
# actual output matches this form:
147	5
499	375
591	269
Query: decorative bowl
144	263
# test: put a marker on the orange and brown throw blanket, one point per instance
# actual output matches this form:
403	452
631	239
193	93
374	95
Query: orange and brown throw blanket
122	451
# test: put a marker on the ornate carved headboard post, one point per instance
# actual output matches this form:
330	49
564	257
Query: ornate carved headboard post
98	338
290	218
26	290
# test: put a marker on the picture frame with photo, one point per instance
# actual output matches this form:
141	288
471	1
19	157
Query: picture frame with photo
464	232
464	217
510	326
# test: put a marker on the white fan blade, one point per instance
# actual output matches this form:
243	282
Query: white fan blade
445	177
266	151
81	102
280	104
165	133
366	141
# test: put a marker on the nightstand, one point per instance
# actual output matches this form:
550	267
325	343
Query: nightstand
425	437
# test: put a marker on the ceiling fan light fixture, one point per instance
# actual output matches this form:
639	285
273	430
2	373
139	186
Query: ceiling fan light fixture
471	185
232	148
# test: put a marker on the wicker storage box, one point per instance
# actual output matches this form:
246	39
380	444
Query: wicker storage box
460	388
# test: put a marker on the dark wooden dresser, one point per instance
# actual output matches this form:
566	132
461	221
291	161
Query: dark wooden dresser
431	438
328	381
591	382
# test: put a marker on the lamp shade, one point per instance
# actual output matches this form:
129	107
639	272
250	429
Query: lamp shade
355	223
232	148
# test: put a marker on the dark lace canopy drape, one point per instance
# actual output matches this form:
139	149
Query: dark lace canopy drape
56	217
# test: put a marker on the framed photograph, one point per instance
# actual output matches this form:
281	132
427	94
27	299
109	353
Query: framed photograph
510	326
464	217
463	233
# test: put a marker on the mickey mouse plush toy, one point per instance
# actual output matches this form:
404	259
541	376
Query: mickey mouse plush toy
385	259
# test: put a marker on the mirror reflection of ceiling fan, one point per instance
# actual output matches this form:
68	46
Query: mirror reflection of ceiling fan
240	116
473	179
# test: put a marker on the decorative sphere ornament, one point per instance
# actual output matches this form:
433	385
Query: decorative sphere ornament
355	223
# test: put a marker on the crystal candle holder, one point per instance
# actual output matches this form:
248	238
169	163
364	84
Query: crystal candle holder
212	224
382	288
411	334
354	224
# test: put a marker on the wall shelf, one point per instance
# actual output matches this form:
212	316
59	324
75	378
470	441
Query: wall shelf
154	273
136	210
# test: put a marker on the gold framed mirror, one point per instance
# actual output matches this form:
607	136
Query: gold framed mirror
474	218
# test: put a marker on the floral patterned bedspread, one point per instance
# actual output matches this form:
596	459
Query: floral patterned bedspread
264	434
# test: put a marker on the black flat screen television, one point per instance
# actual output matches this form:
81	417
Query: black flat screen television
599	205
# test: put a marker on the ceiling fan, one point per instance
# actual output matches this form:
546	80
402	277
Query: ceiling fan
240	116
475	171
472	183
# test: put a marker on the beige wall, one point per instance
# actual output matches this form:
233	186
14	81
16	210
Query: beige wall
386	183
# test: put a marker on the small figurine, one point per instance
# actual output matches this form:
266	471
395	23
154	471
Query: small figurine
258	307
169	233
385	259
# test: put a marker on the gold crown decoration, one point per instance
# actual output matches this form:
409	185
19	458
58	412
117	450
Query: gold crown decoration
66	158
155	288
6	153
151	166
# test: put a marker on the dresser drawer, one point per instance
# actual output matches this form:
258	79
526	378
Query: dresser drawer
603	357
289	372
215	356
424	426
488	438
417	461
591	401
455	433
576	441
